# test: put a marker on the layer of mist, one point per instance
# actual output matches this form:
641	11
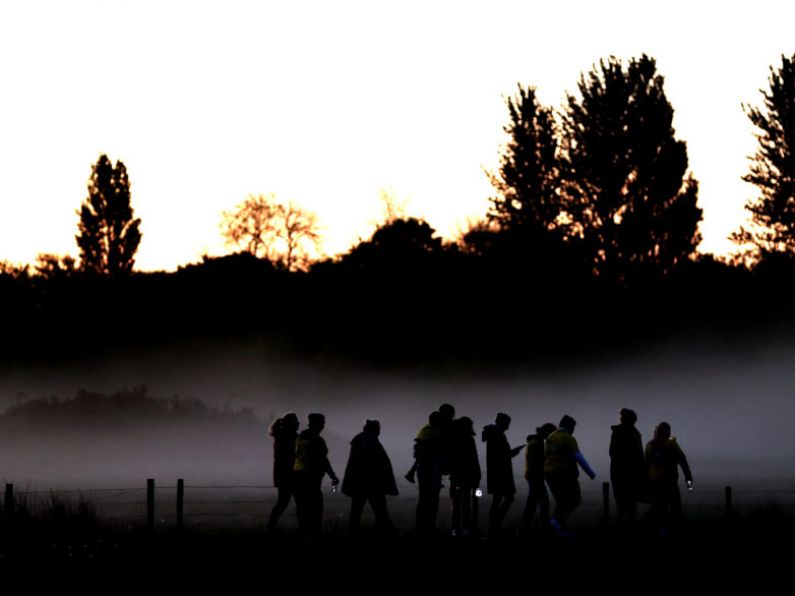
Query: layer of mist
728	405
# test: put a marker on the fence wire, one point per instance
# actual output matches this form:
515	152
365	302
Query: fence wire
213	501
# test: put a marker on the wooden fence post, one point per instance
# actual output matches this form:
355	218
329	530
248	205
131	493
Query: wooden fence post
8	506
475	514
606	502
150	503
180	502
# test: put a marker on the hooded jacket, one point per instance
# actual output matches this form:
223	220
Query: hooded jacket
369	471
499	470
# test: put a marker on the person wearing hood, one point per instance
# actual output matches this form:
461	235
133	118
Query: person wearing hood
284	431
369	478
562	456
311	465
627	467
664	457
499	470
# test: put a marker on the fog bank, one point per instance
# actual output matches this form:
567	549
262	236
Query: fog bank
728	405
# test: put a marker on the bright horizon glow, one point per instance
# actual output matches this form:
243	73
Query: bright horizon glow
325	103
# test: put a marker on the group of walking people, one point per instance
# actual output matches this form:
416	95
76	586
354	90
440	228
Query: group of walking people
445	448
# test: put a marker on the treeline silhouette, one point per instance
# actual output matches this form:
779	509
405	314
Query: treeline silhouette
406	299
589	245
126	407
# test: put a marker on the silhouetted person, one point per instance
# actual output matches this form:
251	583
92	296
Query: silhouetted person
627	467
369	478
311	464
464	474
562	456
664	457
537	496
428	459
446	414
284	431
499	470
447	417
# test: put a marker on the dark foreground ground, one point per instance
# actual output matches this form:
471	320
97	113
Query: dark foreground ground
747	552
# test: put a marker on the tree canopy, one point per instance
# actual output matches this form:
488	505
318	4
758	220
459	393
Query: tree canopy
527	179
772	167
285	234
108	234
630	199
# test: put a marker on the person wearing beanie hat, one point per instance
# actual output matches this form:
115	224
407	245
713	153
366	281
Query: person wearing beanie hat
664	457
562	456
627	467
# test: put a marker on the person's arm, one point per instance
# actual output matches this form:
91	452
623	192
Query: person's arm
473	455
682	460
334	480
327	464
584	465
517	450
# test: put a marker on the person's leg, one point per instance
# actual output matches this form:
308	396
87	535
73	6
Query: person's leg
619	497
316	508
675	507
355	519
553	482
433	505
530	506
507	501
499	507
428	501
659	503
494	513
301	502
284	494
466	508
632	511
457	497
543	503
382	520
569	500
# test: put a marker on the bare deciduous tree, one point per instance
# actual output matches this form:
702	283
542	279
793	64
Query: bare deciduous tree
300	235
392	207
285	234
252	225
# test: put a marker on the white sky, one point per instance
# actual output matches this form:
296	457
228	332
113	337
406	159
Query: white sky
323	103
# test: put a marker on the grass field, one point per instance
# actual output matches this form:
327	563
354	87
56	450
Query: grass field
65	544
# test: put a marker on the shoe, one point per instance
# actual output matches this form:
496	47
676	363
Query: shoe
555	525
